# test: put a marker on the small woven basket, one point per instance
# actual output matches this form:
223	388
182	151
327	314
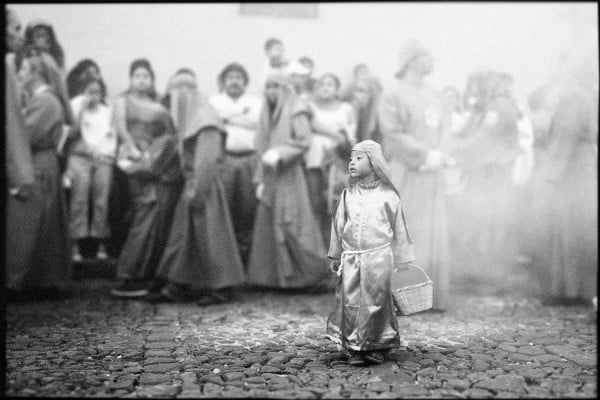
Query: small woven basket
412	290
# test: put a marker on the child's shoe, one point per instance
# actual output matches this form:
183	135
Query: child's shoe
375	357
357	358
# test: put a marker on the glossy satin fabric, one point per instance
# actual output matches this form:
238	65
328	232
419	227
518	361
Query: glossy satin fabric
369	237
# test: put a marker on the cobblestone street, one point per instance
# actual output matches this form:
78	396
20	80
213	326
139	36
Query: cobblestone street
271	344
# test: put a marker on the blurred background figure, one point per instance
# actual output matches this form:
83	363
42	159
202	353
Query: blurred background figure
359	71
288	250
148	156
333	126
79	73
563	221
22	215
365	100
48	269
412	126
276	61
299	76
91	157
309	64
201	260
239	113
40	33
485	247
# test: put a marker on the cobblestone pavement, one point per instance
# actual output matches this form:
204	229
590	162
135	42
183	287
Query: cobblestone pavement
269	344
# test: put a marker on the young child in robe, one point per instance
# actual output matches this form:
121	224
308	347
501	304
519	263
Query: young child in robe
369	238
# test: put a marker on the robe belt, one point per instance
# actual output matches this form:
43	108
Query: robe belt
353	252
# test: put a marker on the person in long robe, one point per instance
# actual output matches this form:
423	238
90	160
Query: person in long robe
288	249
201	259
412	128
46	267
148	155
564	194
21	220
369	238
486	150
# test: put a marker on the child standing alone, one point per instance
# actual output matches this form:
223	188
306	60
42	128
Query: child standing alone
90	166
369	238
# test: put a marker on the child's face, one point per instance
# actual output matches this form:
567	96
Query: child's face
360	165
93	92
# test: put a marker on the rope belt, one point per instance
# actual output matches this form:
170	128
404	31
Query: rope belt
353	252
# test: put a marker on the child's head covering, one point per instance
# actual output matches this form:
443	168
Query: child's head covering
373	150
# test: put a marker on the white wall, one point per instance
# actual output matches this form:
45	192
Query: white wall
522	39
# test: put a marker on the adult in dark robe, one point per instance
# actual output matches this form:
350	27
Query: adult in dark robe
21	221
288	249
46	266
201	256
148	155
412	128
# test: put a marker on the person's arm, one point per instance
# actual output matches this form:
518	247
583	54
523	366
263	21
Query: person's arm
20	171
351	124
568	128
120	122
248	119
402	246
208	152
335	245
42	115
301	142
393	124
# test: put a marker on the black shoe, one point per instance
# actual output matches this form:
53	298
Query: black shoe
357	358
130	289
375	357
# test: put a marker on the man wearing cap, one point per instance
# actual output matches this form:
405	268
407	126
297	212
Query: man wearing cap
239	112
412	127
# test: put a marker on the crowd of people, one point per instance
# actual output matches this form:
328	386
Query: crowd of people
197	195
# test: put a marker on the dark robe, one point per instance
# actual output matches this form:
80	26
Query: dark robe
154	183
288	250
202	251
40	248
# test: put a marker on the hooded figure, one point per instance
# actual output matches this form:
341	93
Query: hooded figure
44	249
201	252
369	238
288	249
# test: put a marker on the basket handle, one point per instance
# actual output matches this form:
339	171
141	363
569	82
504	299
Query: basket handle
423	271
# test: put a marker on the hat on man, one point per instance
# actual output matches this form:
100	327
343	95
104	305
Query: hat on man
296	68
409	52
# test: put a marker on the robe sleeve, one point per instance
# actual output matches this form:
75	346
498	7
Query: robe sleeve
42	115
402	247
335	244
398	140
19	163
208	152
568	128
295	148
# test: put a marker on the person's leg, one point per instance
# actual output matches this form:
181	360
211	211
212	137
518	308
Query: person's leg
101	184
80	170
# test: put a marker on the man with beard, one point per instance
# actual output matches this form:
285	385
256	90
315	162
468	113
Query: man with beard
239	113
